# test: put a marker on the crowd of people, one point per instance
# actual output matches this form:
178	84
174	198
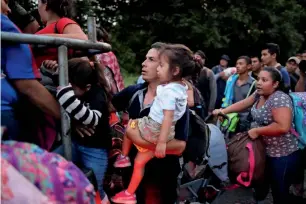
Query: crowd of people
173	81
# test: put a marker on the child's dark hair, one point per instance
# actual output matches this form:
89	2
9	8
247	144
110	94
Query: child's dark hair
182	57
277	77
81	73
246	59
63	8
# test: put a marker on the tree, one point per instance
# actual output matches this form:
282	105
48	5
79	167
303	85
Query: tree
235	27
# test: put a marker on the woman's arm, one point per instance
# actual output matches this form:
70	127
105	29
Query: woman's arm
71	31
301	84
213	91
76	109
39	95
282	123
166	126
190	96
160	151
240	106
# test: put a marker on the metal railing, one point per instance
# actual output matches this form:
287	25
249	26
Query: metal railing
63	44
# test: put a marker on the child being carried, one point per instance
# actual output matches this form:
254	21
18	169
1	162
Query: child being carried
170	103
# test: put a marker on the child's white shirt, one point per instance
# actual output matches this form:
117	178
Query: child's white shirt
172	96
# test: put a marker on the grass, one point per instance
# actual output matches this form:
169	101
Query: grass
129	78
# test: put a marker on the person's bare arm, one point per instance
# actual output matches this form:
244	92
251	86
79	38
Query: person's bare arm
160	151
39	96
282	123
213	91
237	107
300	86
31	28
190	98
71	31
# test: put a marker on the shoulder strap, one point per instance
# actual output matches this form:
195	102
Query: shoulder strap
55	27
203	72
136	94
251	88
61	24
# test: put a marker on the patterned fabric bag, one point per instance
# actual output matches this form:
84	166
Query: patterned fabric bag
16	189
299	106
246	159
113	181
61	181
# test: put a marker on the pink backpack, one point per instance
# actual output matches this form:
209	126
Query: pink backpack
61	181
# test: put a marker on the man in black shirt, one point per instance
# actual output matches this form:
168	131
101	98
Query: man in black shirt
292	66
256	66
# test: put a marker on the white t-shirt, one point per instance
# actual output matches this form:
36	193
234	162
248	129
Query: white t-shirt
172	96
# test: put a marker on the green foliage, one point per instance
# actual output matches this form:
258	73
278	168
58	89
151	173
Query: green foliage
235	27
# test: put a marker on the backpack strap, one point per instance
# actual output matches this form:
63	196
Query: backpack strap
61	24
251	88
136	94
203	72
55	28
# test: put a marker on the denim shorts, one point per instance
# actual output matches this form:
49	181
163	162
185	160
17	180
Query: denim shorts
150	129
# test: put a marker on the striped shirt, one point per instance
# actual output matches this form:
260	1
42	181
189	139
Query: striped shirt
76	109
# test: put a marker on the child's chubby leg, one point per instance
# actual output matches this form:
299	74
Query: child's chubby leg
127	143
132	130
133	134
142	158
128	196
174	147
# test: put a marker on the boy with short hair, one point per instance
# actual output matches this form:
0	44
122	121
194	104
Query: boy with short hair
269	55
238	87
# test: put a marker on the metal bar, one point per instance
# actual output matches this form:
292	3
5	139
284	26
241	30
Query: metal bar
92	32
56	41
65	120
191	183
91	27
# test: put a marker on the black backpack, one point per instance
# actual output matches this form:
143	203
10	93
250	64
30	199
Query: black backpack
198	140
203	86
200	106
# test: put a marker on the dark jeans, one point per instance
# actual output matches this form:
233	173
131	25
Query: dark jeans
92	158
159	183
280	173
9	121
